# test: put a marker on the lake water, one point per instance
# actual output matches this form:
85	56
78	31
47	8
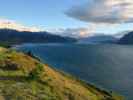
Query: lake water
107	66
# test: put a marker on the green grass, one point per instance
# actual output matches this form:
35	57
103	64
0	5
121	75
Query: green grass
36	73
26	90
25	78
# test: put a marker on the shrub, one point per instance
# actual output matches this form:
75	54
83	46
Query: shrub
6	45
36	73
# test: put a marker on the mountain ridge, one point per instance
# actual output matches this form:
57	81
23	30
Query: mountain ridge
11	37
127	38
99	39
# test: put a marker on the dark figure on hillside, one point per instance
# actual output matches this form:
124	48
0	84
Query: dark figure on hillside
30	53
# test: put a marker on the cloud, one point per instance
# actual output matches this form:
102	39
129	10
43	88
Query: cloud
77	32
10	24
81	32
74	32
103	11
93	29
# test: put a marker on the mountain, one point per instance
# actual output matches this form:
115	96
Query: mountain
127	38
11	36
22	77
98	39
15	33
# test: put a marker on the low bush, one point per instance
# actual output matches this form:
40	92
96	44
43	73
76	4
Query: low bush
36	73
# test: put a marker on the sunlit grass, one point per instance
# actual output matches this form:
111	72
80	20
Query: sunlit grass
16	82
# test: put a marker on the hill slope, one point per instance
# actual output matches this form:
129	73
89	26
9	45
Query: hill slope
21	79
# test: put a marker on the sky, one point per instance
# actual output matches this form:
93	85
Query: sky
79	18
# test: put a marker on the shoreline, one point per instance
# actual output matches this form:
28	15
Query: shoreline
83	82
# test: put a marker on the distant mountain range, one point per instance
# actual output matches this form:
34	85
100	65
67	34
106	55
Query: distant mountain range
11	36
104	39
98	39
15	33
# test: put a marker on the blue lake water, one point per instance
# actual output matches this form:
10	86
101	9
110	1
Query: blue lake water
107	66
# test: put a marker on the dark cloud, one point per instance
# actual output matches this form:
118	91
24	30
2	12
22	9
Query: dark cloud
103	11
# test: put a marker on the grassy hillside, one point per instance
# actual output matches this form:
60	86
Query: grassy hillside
25	78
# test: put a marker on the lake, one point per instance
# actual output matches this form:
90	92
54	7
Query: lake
107	66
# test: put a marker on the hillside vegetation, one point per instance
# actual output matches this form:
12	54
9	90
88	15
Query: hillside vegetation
22	77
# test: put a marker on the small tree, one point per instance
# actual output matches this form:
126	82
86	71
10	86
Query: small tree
36	73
